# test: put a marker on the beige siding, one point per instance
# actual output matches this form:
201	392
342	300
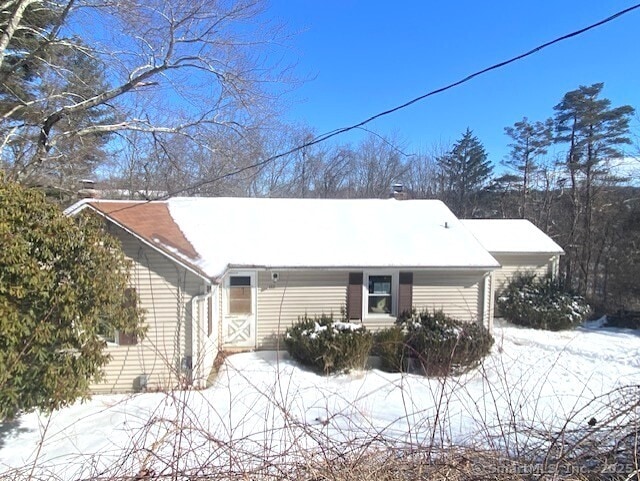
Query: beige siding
296	293
540	264
165	290
458	294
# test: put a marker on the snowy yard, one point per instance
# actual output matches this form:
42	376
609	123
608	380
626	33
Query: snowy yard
263	406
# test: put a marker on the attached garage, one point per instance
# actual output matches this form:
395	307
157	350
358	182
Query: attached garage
518	245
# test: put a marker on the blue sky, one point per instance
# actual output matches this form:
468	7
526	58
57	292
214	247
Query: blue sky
360	58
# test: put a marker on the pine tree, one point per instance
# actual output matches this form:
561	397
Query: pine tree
594	133
38	74
464	171
530	140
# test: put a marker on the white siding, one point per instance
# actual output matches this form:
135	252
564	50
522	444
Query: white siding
296	293
539	264
457	293
165	290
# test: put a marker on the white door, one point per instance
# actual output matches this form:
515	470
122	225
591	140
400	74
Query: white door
239	310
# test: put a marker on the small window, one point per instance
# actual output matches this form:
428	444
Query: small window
111	334
107	332
379	295
240	295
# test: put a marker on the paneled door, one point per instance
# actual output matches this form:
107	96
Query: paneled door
239	310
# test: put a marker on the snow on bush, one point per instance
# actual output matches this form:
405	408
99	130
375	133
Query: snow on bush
541	303
327	345
438	344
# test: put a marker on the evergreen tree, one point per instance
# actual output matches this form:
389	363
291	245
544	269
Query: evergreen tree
464	171
62	280
529	141
595	133
39	74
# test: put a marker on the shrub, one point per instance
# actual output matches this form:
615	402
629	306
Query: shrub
541	303
389	345
444	345
624	319
327	345
438	343
61	279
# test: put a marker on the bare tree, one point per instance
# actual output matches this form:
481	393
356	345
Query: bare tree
379	163
422	179
172	68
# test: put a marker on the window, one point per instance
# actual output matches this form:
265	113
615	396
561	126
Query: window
107	332
379	296
240	295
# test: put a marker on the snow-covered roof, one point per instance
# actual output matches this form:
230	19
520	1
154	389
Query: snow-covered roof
214	234
330	233
511	235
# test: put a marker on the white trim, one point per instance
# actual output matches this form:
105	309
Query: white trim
395	282
252	342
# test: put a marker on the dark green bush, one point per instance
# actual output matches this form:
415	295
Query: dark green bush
541	303
327	345
389	345
434	342
624	319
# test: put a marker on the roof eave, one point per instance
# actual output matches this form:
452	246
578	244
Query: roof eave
561	252
158	248
358	267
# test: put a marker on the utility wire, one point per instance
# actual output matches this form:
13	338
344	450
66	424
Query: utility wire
333	133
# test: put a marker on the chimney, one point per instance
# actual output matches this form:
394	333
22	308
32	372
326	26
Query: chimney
88	189
397	191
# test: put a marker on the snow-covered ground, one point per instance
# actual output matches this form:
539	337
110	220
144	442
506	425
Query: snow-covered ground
263	406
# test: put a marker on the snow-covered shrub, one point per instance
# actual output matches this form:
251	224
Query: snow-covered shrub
541	303
439	344
328	345
444	345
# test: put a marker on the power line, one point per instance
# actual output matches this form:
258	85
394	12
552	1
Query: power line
359	125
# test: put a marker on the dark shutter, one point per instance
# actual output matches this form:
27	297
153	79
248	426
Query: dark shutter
130	301
354	296
405	293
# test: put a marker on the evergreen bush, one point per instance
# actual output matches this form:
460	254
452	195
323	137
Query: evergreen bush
327	345
436	343
389	346
541	303
61	280
446	346
624	319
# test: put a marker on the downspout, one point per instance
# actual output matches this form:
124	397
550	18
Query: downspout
488	300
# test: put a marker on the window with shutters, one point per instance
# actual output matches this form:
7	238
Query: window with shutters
112	335
379	293
107	332
386	293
